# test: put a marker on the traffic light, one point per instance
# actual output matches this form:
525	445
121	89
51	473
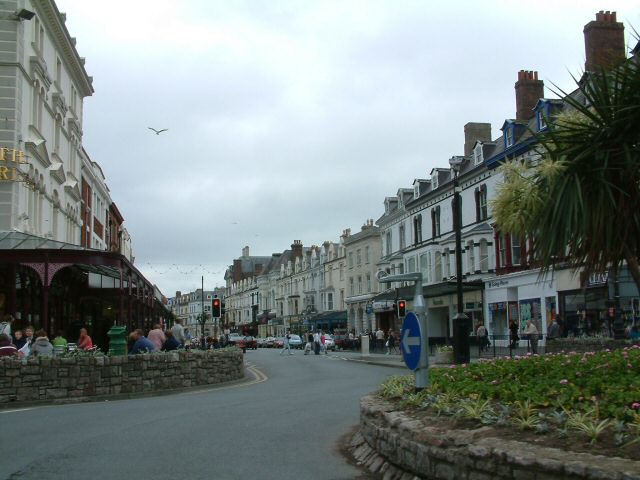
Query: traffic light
215	312
402	308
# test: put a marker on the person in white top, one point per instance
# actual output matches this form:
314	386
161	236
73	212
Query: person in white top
316	343
533	334
178	332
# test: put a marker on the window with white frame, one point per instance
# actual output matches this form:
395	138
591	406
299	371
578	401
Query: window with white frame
516	251
358	257
411	265
368	283
478	156
438	267
351	287
417	229
508	136
366	254
434	180
329	301
388	243
424	266
350	259
471	261
402	237
359	284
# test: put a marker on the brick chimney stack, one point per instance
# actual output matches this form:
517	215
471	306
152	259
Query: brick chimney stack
474	131
296	249
528	91
603	42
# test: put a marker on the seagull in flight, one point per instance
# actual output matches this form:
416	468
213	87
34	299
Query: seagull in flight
158	132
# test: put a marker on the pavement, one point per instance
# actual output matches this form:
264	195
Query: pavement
393	360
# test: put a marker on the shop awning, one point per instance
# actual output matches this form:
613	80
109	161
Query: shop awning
327	317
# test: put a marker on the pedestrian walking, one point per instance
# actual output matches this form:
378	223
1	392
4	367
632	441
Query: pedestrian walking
285	343
323	345
513	331
481	335
391	342
380	339
309	345
316	343
533	334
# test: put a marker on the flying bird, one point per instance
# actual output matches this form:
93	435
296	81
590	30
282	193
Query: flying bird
158	132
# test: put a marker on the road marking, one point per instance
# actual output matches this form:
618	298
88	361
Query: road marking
259	378
18	410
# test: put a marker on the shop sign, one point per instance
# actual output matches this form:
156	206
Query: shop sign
497	283
383	306
597	279
494	307
10	158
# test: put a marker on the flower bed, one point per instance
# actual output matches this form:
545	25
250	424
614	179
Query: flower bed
596	395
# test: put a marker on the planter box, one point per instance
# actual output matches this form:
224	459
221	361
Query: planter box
444	358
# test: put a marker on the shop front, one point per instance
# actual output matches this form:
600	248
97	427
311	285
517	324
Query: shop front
520	297
591	307
62	287
441	307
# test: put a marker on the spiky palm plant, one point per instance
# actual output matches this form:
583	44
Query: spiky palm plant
581	201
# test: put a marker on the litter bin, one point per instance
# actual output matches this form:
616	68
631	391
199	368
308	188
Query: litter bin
117	340
461	341
364	344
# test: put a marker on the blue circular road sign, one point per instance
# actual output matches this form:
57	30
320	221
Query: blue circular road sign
411	341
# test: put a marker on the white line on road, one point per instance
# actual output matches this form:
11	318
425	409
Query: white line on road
18	410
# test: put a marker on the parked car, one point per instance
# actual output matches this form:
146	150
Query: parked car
270	342
295	341
329	342
250	342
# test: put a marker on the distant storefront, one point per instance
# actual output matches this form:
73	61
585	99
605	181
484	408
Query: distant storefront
520	297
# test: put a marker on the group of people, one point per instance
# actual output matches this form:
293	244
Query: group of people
381	341
30	342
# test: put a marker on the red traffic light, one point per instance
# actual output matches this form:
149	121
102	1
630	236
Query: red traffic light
402	308
215	312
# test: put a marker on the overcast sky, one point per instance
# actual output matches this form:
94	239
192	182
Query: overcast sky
293	120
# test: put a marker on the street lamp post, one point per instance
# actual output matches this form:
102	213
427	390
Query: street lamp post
461	327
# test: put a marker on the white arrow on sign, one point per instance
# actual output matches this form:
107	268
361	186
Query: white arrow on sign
408	341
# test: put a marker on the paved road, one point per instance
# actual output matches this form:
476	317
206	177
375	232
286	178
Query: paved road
285	425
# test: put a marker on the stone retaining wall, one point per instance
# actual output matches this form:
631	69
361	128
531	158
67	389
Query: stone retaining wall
48	379
399	447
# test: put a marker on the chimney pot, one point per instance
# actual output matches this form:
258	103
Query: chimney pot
528	91
604	42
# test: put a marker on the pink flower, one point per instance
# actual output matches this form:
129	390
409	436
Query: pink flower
564	381
635	406
629	365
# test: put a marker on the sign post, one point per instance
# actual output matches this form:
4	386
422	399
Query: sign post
415	339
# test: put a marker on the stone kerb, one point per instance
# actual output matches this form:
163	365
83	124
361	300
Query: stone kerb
56	379
398	447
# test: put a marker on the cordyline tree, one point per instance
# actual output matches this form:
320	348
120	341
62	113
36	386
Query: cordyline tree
581	201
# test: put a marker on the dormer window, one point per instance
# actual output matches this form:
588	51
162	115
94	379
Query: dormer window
416	190
478	157
508	137
434	180
542	119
